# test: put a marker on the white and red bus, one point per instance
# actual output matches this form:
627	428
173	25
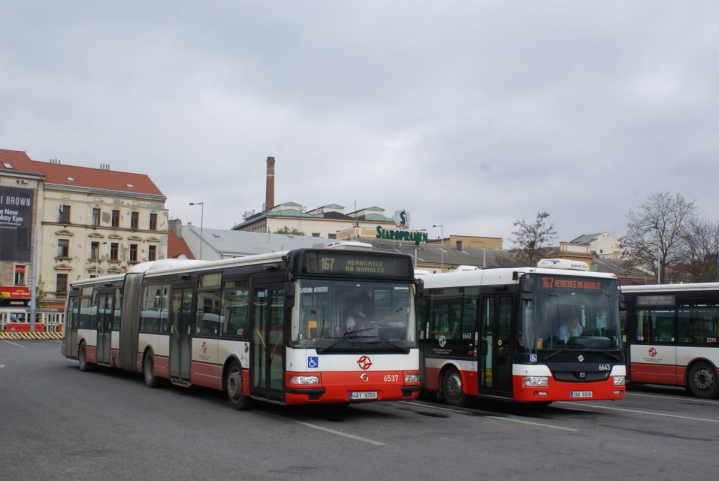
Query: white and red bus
672	335
17	319
497	332
271	327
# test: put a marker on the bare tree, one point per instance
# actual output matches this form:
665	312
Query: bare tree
699	251
533	241
655	232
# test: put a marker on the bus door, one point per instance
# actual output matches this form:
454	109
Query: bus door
495	347
104	326
181	333
268	343
73	317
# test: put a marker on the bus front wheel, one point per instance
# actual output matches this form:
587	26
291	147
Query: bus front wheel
82	357
235	396
703	381
452	388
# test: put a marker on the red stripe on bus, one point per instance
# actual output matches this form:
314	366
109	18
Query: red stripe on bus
562	391
338	386
207	375
91	353
654	373
162	366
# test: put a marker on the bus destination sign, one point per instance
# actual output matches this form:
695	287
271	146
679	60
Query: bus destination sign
551	282
656	300
354	265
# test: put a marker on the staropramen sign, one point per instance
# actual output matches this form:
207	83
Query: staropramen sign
401	220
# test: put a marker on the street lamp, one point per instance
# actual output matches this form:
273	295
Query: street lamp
441	244
202	216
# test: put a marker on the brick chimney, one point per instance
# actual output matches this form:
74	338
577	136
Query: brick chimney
459	246
270	189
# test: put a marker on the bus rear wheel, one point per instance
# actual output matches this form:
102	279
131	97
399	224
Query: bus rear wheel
235	396
82	357
148	372
452	389
703	381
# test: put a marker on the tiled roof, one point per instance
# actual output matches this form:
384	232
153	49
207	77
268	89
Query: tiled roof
177	246
585	239
82	176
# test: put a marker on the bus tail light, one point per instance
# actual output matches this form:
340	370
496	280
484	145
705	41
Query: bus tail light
304	380
619	380
535	381
411	378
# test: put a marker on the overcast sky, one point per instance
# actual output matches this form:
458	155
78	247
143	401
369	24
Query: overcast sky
468	114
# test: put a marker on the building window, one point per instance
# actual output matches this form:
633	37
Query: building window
94	251
315	234
331	236
95	216
19	275
113	251
64	214
152	253
153	221
116	218
134	220
63	248
61	285
133	252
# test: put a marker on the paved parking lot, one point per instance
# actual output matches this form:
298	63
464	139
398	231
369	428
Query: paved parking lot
59	423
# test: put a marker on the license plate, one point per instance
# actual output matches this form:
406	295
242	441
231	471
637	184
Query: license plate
364	395
577	394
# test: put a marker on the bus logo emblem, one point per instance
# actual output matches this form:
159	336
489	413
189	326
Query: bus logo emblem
580	358
442	341
364	363
364	377
204	347
652	352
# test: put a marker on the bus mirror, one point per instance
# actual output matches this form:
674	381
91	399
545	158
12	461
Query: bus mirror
622	304
527	288
289	294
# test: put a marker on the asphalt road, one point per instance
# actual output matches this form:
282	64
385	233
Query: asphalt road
59	423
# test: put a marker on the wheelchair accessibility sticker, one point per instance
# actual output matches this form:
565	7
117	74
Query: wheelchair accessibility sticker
532	358
313	362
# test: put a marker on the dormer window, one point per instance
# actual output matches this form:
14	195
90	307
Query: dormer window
71	179
7	165
130	186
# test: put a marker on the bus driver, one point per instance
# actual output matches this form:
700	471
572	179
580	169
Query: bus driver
569	329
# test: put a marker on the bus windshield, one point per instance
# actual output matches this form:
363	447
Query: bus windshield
352	315
570	313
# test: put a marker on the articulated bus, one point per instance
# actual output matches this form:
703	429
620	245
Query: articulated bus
672	335
271	327
498	333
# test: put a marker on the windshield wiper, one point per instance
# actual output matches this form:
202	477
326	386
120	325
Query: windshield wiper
579	348
399	348
346	335
549	356
606	353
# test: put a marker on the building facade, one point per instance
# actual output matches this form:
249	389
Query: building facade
91	222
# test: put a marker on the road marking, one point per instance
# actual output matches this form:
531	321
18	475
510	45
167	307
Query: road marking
687	399
484	413
534	424
14	344
642	412
327	430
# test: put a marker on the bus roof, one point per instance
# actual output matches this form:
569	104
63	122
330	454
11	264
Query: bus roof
698	286
494	276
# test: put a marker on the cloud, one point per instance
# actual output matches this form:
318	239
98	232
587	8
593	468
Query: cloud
469	114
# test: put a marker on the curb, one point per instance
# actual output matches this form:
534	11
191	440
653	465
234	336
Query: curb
30	335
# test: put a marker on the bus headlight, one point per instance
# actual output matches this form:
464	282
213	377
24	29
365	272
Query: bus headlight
411	378
304	380
619	380
535	381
